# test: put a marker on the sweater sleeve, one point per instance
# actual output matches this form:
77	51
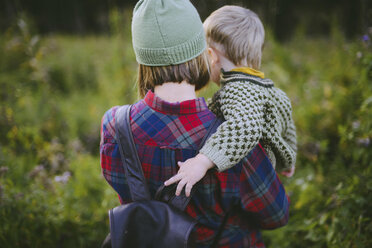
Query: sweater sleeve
280	132
290	135
290	138
242	107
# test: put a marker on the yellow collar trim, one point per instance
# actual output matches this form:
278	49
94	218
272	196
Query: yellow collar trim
250	71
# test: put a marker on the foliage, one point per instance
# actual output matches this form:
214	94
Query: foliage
332	101
54	90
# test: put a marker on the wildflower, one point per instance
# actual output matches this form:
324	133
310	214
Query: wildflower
363	142
36	171
359	55
356	125
63	178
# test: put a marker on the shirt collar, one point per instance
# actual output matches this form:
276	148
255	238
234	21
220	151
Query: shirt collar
185	107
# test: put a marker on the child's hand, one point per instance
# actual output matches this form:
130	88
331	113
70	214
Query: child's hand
190	172
288	173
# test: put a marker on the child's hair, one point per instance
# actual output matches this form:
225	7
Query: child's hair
238	33
194	71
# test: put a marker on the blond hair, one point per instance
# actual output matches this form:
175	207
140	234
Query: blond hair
194	71
238	33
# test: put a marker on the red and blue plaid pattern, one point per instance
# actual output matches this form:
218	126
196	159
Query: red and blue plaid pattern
165	133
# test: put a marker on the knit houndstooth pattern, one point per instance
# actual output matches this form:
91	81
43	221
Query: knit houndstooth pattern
255	111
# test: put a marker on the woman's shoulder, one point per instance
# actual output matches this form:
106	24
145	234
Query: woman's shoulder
108	121
109	115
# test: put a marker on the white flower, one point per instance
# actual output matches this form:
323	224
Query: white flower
63	178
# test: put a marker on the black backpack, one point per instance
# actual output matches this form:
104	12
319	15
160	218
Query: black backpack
147	222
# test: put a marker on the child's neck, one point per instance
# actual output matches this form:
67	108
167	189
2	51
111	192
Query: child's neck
175	92
227	65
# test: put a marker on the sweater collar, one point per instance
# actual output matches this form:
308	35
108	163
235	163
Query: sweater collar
238	75
250	71
178	108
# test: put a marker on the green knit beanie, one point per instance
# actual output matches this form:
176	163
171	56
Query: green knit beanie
166	32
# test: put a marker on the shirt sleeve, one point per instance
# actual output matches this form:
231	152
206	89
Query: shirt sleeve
242	106
111	165
262	194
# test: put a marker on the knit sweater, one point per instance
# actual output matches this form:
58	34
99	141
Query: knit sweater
255	111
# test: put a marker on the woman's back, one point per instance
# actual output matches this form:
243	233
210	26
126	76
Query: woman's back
165	133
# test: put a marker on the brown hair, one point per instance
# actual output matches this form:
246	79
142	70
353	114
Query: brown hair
194	71
238	33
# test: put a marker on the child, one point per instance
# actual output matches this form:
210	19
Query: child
255	111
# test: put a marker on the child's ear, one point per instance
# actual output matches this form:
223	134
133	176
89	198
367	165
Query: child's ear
213	55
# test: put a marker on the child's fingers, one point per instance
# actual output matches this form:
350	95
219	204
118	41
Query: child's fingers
288	173
173	179
180	186
180	163
188	189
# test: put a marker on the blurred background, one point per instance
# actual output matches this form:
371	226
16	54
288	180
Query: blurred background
64	63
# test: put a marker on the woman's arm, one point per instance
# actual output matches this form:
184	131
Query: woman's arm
111	165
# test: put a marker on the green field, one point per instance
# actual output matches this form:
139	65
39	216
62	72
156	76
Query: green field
54	90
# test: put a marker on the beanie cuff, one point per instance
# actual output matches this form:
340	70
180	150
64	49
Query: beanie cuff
172	55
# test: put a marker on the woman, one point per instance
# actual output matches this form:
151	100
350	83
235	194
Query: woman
169	123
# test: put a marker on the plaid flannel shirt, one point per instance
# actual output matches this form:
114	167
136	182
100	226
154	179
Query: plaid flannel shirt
165	133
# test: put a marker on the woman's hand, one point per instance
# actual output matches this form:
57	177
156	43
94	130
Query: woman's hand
191	171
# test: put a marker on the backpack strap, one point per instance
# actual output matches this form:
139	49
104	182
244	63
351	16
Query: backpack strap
129	156
133	168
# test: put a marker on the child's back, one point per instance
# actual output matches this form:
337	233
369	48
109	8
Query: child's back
255	111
